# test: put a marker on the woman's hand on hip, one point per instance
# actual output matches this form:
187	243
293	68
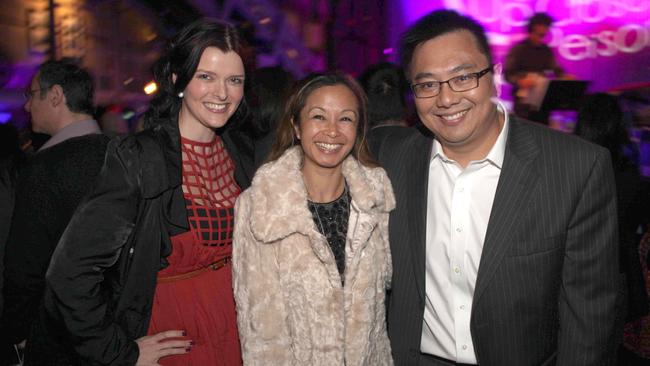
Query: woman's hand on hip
154	347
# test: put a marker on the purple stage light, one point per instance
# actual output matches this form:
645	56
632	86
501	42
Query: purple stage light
5	117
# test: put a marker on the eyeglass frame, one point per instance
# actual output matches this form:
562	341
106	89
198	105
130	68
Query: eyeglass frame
28	94
478	75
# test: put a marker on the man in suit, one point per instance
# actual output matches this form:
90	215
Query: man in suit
504	236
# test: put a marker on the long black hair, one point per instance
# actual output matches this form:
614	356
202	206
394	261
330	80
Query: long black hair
181	58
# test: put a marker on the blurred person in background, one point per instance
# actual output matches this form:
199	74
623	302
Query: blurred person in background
142	274
386	87
528	62
50	186
11	157
270	87
636	338
600	120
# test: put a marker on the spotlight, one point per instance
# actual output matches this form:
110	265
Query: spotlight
150	88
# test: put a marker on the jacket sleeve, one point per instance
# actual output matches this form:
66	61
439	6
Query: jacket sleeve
91	244
590	272
261	313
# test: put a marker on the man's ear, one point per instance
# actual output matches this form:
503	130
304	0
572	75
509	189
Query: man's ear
173	78
497	77
55	95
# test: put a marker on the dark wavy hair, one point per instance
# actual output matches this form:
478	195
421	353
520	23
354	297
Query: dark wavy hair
286	138
181	58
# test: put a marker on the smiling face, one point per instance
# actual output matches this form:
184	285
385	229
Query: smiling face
328	127
212	95
465	123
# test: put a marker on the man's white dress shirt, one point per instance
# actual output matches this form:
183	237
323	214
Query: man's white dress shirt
459	202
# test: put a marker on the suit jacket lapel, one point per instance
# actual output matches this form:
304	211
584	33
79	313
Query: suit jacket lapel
418	177
518	175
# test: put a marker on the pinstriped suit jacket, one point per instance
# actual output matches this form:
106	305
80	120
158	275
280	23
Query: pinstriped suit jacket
548	275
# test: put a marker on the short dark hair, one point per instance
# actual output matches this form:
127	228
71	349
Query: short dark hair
539	19
285	137
438	23
181	58
386	87
75	81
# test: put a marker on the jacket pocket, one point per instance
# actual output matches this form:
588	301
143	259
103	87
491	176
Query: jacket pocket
537	246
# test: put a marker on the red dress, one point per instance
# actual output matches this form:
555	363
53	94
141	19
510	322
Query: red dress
190	295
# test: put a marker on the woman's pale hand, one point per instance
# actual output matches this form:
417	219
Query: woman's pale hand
154	347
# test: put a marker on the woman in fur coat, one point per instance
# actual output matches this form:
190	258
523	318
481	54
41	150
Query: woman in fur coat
311	260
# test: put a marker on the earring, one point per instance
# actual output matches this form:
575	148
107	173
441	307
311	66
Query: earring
180	95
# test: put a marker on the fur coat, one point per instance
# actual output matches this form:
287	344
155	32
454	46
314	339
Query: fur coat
291	306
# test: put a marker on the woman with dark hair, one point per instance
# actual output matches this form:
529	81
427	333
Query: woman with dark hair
600	120
149	250
311	261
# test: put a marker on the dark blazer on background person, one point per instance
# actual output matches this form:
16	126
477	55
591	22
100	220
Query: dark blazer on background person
117	253
51	184
550	247
8	176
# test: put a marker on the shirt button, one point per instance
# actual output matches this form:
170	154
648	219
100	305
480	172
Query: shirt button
464	347
456	269
462	307
458	229
461	189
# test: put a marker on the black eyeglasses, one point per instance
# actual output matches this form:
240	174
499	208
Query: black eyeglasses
461	83
30	93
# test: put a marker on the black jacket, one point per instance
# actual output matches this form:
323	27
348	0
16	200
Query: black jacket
50	186
102	277
547	281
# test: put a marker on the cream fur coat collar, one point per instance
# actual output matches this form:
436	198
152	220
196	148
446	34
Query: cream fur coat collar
291	306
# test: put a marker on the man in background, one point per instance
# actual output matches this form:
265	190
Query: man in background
528	63
50	185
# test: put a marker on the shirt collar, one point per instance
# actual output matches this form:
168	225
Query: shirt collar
75	129
498	150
